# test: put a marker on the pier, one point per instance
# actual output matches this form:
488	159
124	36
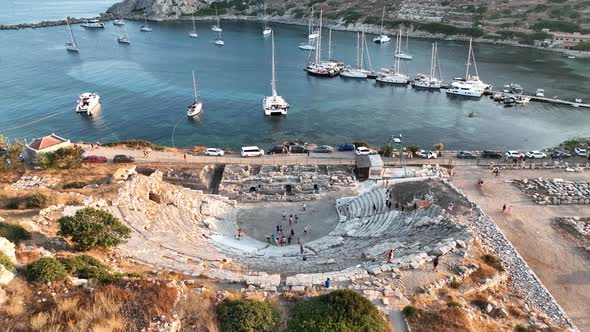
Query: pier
540	99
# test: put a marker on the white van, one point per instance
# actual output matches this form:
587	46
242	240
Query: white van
252	151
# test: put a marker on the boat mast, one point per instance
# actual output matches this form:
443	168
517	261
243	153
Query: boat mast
362	63
474	63
330	45
194	26
311	22
318	53
407	39
72	39
432	62
217	15
358	40
273	80
382	18
398	45
195	87
367	48
264	18
468	61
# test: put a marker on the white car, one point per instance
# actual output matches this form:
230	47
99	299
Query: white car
214	152
362	151
426	154
581	152
535	155
513	154
252	151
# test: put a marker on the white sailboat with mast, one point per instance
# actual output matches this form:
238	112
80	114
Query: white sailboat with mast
120	20
429	81
470	86
382	38
267	30
406	55
194	33
359	70
319	67
395	76
274	104
219	40
313	34
145	27
123	39
216	27
71	45
195	108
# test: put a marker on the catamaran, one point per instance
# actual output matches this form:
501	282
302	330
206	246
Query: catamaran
267	30
87	102
71	44
195	108
92	24
219	40
429	81
470	86
194	34
382	38
145	27
124	39
313	34
358	71
274	104
216	27
395	76
406	54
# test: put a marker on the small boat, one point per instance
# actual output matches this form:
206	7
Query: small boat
405	55
124	39
71	44
578	100
92	24
267	30
219	40
382	38
523	100
194	33
274	104
571	57
306	47
472	114
515	88
195	108
509	102
499	96
540	93
119	21
87	102
216	27
145	27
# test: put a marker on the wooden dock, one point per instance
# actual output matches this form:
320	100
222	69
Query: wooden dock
541	99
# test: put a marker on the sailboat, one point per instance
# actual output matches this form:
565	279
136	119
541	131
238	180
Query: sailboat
120	20
319	67
358	71
267	30
124	39
71	44
145	27
406	54
194	33
195	108
313	34
382	38
274	104
470	86
429	81
216	27
219	40
395	77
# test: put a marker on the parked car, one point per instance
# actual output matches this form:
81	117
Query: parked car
362	151
491	154
466	155
276	149
557	154
581	152
123	158
94	159
346	147
252	151
513	154
298	149
535	154
324	149
214	152
426	154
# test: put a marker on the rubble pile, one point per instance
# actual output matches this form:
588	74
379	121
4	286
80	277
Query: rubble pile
556	191
34	182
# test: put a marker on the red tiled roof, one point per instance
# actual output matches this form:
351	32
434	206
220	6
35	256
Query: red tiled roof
47	141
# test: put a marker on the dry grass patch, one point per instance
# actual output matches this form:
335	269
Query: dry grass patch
196	311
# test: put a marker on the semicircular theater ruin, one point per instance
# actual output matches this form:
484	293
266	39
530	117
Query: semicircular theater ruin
196	233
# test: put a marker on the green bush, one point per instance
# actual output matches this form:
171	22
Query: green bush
454	304
247	316
45	269
14	233
93	228
583	46
139	143
75	185
414	148
409	311
563	26
340	310
493	261
64	158
522	328
6	262
11	168
34	201
454	283
83	266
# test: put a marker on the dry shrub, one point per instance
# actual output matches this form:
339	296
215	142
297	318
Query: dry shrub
446	320
483	272
39	321
197	312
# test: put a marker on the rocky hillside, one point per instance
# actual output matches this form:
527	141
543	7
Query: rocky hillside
449	17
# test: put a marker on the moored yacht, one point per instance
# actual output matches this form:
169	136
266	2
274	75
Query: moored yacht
307	47
123	39
406	55
194	33
216	27
395	76
87	102
382	38
540	93
470	86
267	30
359	70
219	40
429	81
312	34
145	27
319	67
196	107
92	24
71	44
274	104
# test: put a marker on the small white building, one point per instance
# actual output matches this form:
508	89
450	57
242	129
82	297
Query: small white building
45	144
369	167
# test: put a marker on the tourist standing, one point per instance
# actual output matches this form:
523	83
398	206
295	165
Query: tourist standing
300	246
504	208
296	219
273	237
305	230
327	283
268	239
292	232
289	240
435	262
374	208
390	256
304	206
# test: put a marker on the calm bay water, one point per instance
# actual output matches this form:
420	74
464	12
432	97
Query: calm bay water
146	86
33	11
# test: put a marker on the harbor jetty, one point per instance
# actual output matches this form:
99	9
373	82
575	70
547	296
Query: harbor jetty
540	99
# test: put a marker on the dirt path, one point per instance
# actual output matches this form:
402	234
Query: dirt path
563	268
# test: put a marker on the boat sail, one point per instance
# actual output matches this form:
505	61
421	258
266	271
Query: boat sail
217	27
124	39
71	45
145	27
382	38
406	55
274	104
194	33
470	86
195	108
395	77
267	30
429	81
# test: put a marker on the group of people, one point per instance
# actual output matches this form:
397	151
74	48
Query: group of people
280	237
